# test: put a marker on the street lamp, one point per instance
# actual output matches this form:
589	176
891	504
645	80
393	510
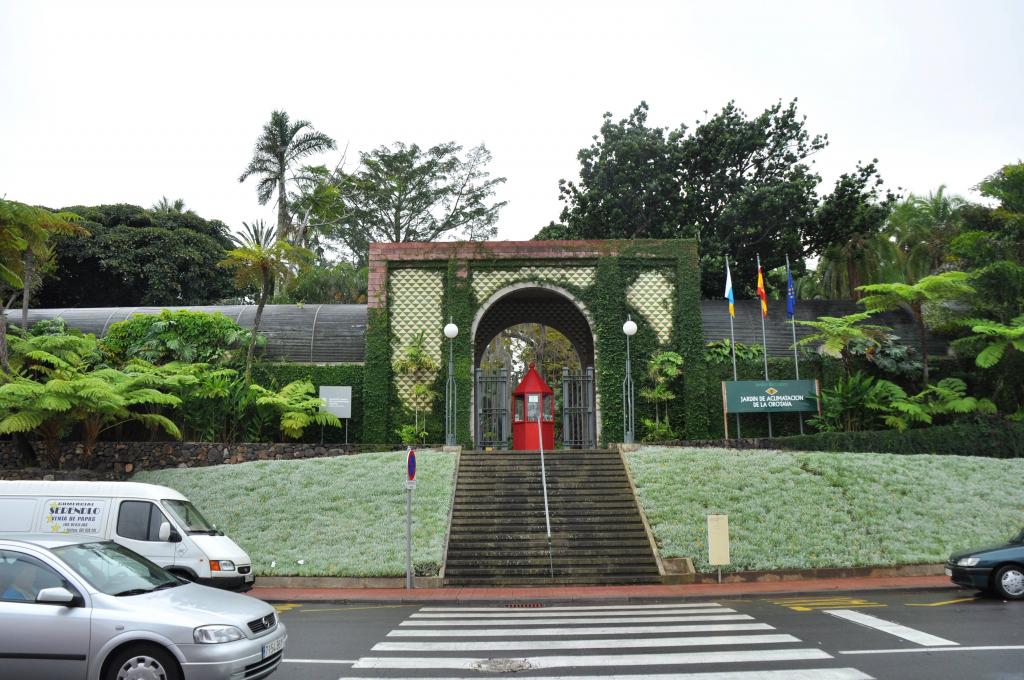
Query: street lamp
628	403
450	331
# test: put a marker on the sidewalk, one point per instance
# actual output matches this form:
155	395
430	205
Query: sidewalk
595	593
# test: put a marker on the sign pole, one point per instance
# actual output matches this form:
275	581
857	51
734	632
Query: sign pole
764	339
410	484
735	376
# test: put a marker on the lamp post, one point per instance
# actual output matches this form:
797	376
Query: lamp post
628	404
450	331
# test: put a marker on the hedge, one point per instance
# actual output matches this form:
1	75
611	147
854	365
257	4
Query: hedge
989	439
275	375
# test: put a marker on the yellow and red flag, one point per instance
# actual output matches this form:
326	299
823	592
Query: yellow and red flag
760	290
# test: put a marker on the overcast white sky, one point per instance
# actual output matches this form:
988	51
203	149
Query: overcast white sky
104	102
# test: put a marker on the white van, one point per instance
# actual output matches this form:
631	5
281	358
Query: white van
154	521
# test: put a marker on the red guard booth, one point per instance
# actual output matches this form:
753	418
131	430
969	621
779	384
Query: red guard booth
533	398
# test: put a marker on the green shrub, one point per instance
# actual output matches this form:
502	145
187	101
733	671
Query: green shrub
184	335
991	439
275	376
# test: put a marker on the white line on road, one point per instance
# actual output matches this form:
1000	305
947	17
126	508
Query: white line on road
548	615
909	634
608	630
551	622
623	643
642	607
990	648
791	674
318	660
601	660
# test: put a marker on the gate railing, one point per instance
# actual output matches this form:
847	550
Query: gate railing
492	409
578	421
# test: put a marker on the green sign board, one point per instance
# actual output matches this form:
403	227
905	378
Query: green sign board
769	396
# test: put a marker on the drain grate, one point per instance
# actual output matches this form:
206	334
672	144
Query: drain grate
523	605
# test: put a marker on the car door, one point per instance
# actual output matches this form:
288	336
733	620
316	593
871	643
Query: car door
39	641
138	528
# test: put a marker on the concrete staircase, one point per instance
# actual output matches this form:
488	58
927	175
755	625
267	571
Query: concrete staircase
497	534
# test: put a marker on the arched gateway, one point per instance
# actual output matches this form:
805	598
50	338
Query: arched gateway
583	289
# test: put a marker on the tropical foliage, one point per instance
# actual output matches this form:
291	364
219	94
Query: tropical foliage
662	369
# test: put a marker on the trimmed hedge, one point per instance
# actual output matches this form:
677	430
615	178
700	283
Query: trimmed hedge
990	439
274	376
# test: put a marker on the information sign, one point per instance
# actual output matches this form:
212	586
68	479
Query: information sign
337	400
770	396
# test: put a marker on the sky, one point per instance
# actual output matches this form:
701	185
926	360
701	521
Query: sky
125	102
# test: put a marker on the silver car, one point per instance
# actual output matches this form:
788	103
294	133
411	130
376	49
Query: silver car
75	607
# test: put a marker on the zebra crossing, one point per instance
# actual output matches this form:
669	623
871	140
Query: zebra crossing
609	642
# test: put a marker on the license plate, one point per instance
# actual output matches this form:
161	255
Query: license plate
272	648
949	572
249	578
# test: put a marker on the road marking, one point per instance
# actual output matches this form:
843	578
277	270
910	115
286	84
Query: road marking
352	609
609	630
909	634
807	604
990	648
578	609
793	674
285	606
550	615
328	661
624	643
570	621
940	604
602	660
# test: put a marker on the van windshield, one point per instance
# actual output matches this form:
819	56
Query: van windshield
189	517
114	569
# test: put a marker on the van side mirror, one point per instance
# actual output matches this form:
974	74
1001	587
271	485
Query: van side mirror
175	537
55	596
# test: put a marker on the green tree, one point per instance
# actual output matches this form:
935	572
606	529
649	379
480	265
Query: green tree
415	361
281	145
176	336
835	335
337	283
934	289
166	205
923	228
662	369
137	257
296	406
407	194
259	260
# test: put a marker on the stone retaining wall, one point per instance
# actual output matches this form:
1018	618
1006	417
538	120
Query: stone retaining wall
119	460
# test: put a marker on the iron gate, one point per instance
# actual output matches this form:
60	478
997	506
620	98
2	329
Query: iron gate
492	409
578	422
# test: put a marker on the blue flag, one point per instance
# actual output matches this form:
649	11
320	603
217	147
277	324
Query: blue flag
790	293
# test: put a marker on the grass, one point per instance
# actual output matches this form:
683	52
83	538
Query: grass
341	516
791	510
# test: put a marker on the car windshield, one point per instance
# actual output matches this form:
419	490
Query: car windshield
189	517
114	569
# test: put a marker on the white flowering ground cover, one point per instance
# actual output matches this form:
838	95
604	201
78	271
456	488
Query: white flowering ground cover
341	516
799	510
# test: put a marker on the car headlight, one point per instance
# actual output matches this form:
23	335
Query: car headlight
208	635
222	565
968	561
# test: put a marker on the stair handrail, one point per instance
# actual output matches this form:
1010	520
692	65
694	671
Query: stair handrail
544	484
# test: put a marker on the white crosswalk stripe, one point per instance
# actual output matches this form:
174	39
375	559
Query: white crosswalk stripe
683	637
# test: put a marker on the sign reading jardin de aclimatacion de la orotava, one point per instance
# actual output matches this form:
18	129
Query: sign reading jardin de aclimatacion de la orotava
769	396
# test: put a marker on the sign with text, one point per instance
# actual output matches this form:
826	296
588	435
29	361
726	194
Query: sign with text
337	400
718	540
769	396
75	515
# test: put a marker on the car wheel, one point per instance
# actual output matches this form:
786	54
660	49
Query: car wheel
1009	582
143	662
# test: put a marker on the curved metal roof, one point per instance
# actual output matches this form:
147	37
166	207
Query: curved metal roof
308	333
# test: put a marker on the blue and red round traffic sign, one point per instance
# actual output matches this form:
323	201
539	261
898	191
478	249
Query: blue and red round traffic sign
410	463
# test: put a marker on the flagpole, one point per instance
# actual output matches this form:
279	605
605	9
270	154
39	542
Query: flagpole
732	341
791	305
764	340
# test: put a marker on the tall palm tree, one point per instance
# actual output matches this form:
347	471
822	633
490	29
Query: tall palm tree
281	145
923	227
863	258
942	287
166	205
258	260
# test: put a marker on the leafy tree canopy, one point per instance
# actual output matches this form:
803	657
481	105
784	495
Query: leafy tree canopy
137	256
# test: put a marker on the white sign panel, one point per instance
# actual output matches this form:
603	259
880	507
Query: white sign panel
337	400
75	515
718	539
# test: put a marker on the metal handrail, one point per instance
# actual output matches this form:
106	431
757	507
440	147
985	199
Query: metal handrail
544	484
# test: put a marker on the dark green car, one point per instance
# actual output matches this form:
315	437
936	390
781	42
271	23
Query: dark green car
998	569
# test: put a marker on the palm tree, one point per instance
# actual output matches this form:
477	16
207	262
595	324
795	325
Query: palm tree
261	258
836	334
282	144
165	205
931	289
863	258
923	228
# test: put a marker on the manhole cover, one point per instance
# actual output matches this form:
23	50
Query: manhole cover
502	665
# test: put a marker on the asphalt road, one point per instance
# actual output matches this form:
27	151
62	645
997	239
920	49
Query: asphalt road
902	635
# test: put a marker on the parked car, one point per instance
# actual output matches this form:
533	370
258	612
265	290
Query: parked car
998	569
77	607
135	516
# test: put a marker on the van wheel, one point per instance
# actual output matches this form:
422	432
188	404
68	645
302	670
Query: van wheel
143	662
